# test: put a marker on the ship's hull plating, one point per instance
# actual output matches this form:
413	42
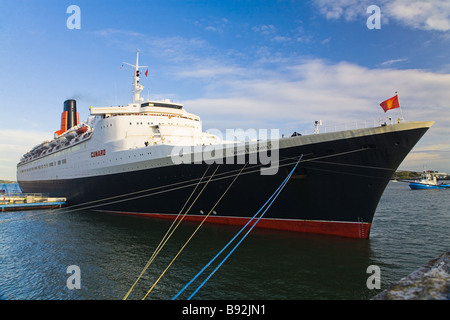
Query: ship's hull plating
334	190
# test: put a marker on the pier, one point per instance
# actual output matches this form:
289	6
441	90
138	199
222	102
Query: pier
26	201
13	199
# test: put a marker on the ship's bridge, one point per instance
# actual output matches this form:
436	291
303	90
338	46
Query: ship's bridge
146	122
162	105
153	108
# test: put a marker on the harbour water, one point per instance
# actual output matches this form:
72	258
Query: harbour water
410	228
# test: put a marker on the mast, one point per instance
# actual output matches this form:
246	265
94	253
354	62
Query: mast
137	87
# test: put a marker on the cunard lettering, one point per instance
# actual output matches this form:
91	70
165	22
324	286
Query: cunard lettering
98	153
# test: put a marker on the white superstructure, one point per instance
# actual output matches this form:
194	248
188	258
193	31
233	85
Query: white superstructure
116	139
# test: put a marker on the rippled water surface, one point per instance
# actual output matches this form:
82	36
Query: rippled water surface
36	248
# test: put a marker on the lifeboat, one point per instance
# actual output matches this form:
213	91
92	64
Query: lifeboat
82	130
70	135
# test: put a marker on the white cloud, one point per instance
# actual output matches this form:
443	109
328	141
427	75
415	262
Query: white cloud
440	147
270	31
297	34
214	24
14	144
266	29
176	49
418	14
427	15
389	63
112	33
315	88
292	97
347	9
420	159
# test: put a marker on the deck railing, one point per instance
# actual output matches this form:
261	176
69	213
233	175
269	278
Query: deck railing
353	125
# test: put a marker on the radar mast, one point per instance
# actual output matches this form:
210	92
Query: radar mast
137	87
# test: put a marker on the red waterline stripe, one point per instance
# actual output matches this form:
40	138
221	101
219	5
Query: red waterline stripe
345	229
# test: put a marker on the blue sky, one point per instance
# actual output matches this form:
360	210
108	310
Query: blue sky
237	64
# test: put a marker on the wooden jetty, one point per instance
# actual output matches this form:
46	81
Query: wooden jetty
24	201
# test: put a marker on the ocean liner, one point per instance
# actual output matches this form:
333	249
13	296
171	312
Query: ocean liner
151	158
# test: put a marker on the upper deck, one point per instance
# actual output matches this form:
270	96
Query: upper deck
156	108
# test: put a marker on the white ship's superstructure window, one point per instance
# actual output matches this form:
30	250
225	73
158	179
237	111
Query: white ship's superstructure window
163	105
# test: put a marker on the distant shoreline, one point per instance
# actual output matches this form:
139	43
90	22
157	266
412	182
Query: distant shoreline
413	175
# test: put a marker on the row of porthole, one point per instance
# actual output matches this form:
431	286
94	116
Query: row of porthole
138	123
169	123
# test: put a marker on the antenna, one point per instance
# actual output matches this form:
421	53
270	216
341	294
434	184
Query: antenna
317	124
137	87
400	107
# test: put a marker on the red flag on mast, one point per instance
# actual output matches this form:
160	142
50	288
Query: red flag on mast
146	73
391	103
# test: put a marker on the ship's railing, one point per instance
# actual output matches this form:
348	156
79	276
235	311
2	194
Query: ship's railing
353	125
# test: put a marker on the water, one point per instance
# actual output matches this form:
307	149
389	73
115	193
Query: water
36	247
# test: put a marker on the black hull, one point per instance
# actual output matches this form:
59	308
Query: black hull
334	190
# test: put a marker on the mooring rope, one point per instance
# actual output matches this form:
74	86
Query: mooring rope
170	231
271	199
179	185
172	187
192	235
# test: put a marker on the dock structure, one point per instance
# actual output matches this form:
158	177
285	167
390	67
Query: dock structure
26	201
